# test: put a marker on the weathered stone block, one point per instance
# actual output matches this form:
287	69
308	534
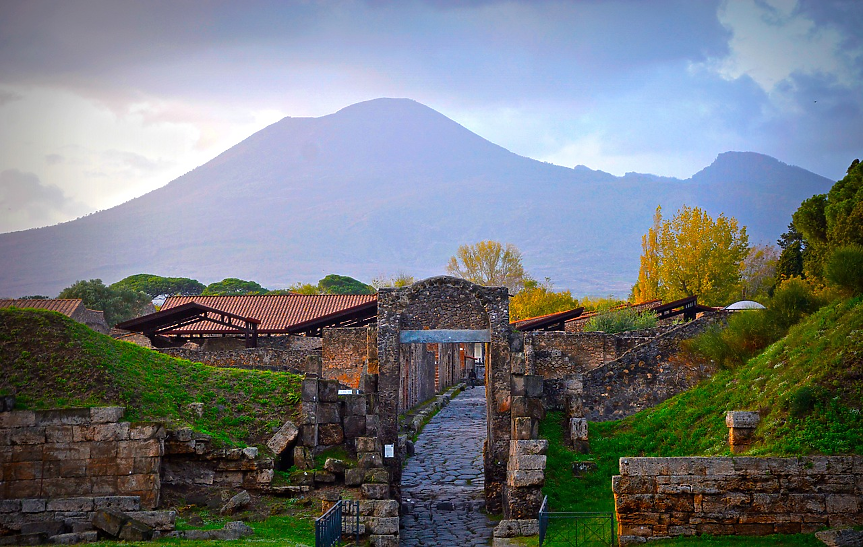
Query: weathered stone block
528	447
109	521
355	426
325	477
303	457
70	504
17	418
59	434
330	434
31	505
387	540
354	477
309	435
375	491
105	414
527	462
122	504
336	466
510	528
328	413
382	525
283	438
528	406
578	429
525	477
741	418
386	508
355	405
63	416
328	391
238	502
369	459
14	506
48	527
310	390
145	431
27	435
843	503
135	530
377	475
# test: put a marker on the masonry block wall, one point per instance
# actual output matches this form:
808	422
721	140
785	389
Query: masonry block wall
280	360
348	353
667	497
646	375
79	452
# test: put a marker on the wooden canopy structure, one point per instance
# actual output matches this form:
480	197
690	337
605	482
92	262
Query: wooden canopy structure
191	313
549	322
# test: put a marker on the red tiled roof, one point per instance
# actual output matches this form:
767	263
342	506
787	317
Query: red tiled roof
276	312
66	306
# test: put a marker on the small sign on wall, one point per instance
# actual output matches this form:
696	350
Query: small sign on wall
389	451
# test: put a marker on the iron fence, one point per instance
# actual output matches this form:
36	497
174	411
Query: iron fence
342	519
574	529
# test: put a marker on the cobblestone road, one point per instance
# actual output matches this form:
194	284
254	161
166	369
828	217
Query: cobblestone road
443	483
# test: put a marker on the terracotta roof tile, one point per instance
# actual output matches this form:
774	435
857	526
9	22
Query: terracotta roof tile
276	312
66	306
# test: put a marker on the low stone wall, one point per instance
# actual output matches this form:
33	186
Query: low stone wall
51	454
58	515
667	497
190	460
644	376
278	360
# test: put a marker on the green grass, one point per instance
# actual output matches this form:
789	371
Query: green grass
808	388
49	361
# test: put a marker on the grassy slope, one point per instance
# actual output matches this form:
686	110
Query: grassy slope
808	388
49	361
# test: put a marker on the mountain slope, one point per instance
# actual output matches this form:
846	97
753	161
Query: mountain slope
383	186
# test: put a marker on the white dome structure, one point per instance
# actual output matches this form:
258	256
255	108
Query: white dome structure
745	305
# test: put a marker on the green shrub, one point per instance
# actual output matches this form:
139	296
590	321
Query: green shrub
844	269
802	401
748	332
622	320
791	301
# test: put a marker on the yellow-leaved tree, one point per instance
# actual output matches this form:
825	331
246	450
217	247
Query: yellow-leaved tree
691	254
489	263
539	299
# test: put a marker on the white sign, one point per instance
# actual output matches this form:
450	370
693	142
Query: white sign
389	451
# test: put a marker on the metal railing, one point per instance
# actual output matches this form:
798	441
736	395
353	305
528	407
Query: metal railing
574	529
343	518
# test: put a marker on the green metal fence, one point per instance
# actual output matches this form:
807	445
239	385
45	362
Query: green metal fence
574	529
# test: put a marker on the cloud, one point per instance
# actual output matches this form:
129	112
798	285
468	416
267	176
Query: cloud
27	203
54	159
8	96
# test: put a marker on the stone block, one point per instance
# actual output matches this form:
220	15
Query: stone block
58	434
123	504
22	471
48	527
309	435
303	457
310	389
377	475
525	477
518	385
355	426
533	385
17	418
334	465
528	447
840	538
14	506
355	405
146	431
135	530
238	502
842	503
354	477
12	488
511	528
368	460
328	391
33	505
27	435
109	521
578	429
72	538
26	453
330	434
66	451
527	461
283	438
383	525
23	539
70	504
106	414
527	406
328	413
386	508
63	416
375	491
386	540
525	428
250	452
325	477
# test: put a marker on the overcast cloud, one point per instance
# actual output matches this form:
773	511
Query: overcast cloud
103	101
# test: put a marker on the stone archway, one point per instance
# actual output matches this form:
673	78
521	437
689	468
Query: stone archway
448	310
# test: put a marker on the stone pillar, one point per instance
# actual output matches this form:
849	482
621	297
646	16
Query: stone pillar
578	435
309	420
741	429
526	464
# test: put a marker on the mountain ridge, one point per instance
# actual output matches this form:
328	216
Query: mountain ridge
389	185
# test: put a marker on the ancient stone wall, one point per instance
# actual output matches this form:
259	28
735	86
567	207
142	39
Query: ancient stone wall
667	497
347	354
644	376
190	459
79	452
297	361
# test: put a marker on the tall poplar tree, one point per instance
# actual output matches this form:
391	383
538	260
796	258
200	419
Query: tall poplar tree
692	254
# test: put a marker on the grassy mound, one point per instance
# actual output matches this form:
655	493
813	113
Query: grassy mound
808	388
50	361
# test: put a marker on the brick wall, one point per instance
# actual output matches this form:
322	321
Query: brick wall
79	452
667	497
297	361
347	352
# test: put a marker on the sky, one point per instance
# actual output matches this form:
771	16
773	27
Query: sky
103	101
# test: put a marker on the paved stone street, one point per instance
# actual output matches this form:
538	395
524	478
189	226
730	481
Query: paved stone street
443	482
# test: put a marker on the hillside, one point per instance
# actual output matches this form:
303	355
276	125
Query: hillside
808	388
50	361
384	186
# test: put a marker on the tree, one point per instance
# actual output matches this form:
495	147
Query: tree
401	279
304	288
342	284
490	264
758	276
791	258
691	254
160	287
539	299
117	304
231	286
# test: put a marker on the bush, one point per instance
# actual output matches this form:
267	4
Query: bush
792	300
621	320
844	269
